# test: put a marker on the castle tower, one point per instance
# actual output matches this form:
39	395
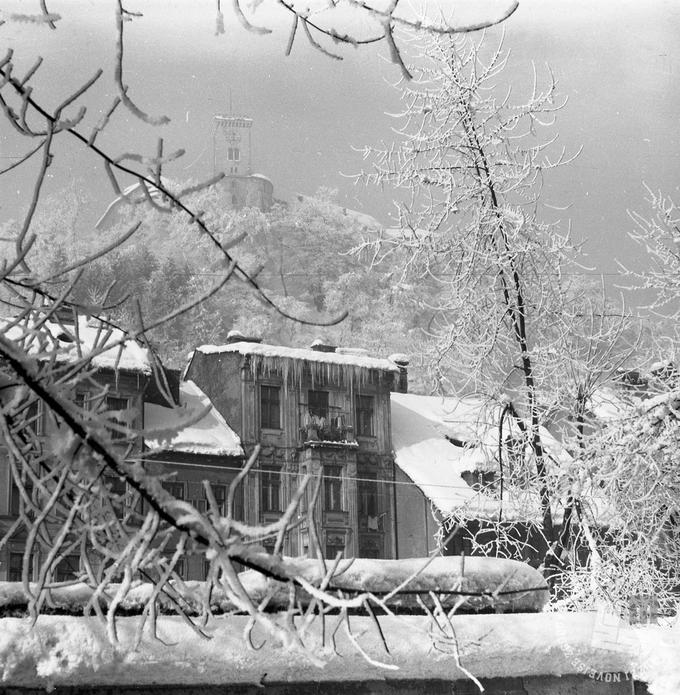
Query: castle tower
232	145
232	154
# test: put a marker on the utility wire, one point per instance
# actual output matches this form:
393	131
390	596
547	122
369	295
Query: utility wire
358	479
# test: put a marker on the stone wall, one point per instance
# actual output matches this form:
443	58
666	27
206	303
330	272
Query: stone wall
618	684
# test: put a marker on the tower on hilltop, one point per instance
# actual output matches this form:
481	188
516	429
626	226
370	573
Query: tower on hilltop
233	155
232	145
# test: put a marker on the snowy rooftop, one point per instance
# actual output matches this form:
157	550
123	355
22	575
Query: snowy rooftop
195	427
256	175
420	427
134	193
302	354
106	346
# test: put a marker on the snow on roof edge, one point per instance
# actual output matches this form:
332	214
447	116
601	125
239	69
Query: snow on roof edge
265	350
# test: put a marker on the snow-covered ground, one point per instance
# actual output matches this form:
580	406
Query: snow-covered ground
68	650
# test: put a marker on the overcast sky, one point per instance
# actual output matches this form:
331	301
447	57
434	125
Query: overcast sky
616	61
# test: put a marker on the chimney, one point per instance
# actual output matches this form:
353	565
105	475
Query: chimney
402	362
321	345
235	336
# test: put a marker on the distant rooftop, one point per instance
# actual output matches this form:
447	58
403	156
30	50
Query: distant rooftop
134	193
105	345
234	121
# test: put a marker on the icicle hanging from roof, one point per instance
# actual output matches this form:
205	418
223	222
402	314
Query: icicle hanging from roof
293	369
293	363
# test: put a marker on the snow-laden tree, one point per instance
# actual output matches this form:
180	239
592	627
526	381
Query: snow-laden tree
300	250
658	233
634	457
634	461
509	320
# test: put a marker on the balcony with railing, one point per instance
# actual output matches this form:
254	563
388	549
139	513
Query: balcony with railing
335	427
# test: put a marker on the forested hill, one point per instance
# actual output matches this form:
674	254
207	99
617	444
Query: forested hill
304	250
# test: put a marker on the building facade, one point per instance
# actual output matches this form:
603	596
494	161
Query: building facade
321	411
145	425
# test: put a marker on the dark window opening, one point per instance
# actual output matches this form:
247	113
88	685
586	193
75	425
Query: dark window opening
369	549
16	566
15	496
270	407
174	488
106	569
35	416
114	403
332	487
480	481
270	490
67	569
364	416
180	567
317	403
117	488
334	544
220	494
459	542
369	516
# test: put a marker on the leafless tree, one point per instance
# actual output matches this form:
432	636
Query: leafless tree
511	320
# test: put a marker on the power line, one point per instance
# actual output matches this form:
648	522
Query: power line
297	474
595	274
